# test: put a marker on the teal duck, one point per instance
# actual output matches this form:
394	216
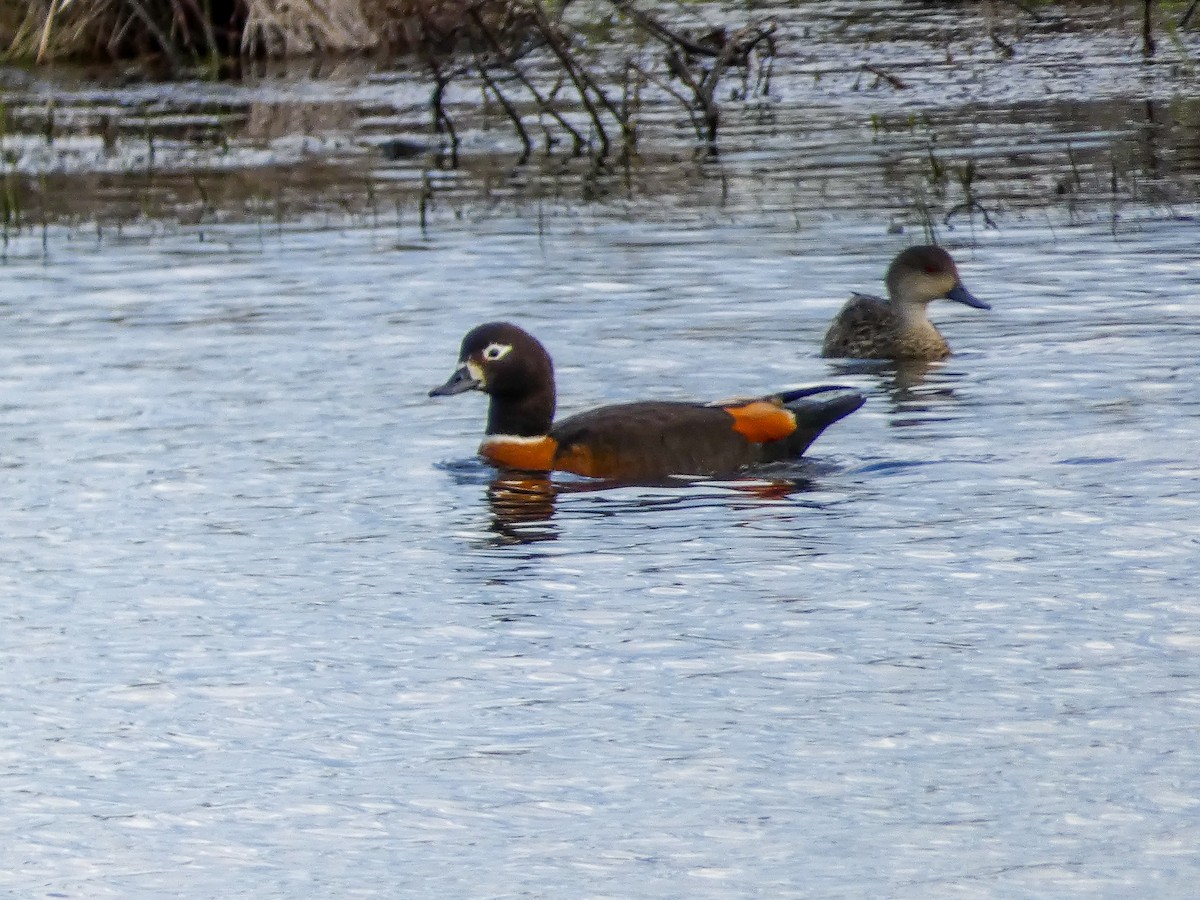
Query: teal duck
870	327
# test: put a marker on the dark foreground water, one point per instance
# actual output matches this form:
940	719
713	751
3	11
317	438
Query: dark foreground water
269	629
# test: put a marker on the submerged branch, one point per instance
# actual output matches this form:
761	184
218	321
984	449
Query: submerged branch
1148	47
513	114
971	206
543	103
895	82
579	76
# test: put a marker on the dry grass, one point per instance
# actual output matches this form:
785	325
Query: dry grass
183	30
43	30
300	27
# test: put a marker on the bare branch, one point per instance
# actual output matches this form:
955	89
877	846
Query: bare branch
543	104
895	82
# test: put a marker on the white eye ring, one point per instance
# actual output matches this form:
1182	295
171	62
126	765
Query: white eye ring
493	352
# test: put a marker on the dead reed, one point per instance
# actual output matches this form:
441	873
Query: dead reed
183	31
42	30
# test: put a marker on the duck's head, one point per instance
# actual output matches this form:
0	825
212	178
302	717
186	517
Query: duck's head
919	275
513	368
500	359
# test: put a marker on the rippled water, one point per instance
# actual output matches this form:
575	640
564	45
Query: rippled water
268	626
270	629
1004	113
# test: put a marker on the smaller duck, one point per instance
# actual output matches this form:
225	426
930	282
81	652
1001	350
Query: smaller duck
899	328
641	441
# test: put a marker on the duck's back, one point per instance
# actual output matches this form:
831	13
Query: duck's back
651	439
655	439
867	328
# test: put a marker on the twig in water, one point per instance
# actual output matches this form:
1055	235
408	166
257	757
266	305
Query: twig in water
543	103
1074	167
662	85
442	123
739	44
511	110
1028	10
971	206
890	79
683	55
1147	30
663	33
580	78
1187	16
1006	50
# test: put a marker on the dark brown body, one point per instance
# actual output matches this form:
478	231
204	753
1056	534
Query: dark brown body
654	439
648	440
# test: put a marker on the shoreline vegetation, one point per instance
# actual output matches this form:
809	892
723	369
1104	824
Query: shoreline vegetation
604	54
552	104
495	42
193	31
185	33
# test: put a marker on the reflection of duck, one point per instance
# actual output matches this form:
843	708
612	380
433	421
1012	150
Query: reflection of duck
899	328
522	508
919	390
628	441
897	376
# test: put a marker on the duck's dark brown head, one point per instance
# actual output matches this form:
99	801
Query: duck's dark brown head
513	368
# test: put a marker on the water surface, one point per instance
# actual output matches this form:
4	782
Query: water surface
271	629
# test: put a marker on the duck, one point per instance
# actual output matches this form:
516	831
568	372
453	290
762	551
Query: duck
630	442
869	327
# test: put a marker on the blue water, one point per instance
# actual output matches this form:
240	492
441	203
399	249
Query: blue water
271	630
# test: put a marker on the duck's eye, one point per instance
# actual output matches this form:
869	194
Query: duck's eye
493	352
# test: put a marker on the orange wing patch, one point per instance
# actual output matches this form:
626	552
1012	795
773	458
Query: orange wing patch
581	460
760	421
534	454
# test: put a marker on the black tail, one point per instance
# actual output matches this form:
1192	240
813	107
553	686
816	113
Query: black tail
815	408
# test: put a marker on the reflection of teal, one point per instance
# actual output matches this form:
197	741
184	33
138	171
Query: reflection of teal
870	327
918	391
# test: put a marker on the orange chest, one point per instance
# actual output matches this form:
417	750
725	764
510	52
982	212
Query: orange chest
533	454
537	454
